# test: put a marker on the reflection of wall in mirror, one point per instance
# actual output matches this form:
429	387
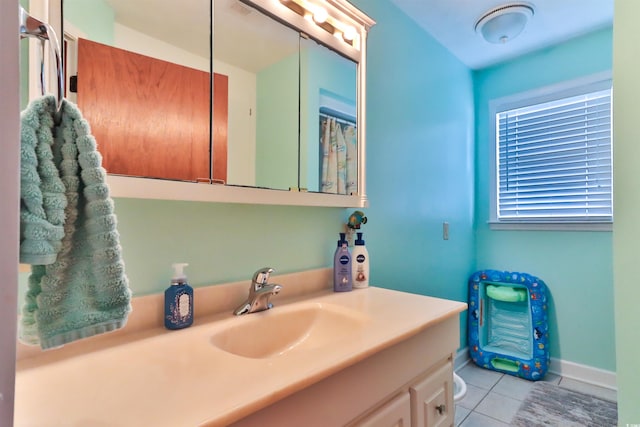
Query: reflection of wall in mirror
324	75
277	125
241	154
135	41
94	18
97	22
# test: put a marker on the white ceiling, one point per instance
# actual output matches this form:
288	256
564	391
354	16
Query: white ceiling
184	23
452	23
246	38
243	37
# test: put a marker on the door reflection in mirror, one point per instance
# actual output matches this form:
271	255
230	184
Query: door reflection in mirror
143	83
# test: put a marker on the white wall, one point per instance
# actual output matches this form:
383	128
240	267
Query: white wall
135	41
9	194
241	155
626	204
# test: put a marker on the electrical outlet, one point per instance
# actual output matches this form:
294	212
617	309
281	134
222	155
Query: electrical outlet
445	231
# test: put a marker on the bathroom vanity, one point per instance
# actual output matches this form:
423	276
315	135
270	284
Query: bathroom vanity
371	357
407	384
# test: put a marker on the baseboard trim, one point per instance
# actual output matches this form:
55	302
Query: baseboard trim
461	359
564	368
584	373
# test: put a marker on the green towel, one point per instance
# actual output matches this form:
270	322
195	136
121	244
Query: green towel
42	193
77	287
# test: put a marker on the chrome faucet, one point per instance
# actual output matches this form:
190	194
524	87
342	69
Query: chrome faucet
259	293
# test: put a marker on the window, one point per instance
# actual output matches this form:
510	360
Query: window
553	156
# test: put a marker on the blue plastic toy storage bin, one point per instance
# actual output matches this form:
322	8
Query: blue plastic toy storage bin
508	325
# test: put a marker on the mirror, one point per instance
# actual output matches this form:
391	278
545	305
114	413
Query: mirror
260	57
140	78
271	84
328	117
279	82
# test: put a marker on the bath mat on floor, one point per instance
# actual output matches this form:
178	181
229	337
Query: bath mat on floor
551	405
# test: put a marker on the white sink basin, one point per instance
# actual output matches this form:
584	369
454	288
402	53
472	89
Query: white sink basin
277	331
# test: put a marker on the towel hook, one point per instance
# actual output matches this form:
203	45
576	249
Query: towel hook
32	27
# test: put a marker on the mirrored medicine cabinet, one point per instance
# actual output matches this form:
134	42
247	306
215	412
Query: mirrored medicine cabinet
250	101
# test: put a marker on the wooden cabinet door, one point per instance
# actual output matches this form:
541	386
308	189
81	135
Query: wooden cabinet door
150	117
395	413
432	399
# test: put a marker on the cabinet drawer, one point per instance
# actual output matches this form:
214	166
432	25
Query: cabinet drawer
432	399
395	413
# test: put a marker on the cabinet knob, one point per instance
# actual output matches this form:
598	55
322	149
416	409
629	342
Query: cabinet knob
441	409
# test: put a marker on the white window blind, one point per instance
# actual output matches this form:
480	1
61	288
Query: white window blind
554	160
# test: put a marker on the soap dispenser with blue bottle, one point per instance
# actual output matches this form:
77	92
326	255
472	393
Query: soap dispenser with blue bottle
342	266
178	300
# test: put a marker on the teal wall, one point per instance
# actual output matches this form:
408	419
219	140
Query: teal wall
576	266
419	160
221	242
626	233
277	124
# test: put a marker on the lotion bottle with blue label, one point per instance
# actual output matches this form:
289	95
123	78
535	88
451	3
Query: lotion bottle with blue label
342	266
178	300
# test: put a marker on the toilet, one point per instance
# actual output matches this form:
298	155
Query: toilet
459	388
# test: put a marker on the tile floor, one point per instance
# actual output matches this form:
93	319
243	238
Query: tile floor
493	399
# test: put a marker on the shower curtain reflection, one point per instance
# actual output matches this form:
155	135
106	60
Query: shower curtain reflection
339	165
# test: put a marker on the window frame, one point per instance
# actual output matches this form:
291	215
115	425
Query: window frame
566	89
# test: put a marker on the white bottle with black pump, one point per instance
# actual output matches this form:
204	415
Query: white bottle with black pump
360	264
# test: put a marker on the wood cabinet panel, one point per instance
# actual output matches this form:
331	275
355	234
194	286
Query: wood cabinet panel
150	117
220	126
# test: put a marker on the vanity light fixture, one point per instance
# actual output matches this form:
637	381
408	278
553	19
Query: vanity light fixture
504	23
316	12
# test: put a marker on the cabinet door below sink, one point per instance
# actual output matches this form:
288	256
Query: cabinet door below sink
396	413
432	399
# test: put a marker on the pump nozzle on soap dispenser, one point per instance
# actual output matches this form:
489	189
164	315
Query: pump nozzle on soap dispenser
178	273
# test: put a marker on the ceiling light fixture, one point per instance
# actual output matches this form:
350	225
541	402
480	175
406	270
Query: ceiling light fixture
504	23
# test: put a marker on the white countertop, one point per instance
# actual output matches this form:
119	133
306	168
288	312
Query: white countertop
178	378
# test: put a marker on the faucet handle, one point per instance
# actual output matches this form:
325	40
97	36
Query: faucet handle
261	276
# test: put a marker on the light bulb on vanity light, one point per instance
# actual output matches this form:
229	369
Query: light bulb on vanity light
349	33
320	14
